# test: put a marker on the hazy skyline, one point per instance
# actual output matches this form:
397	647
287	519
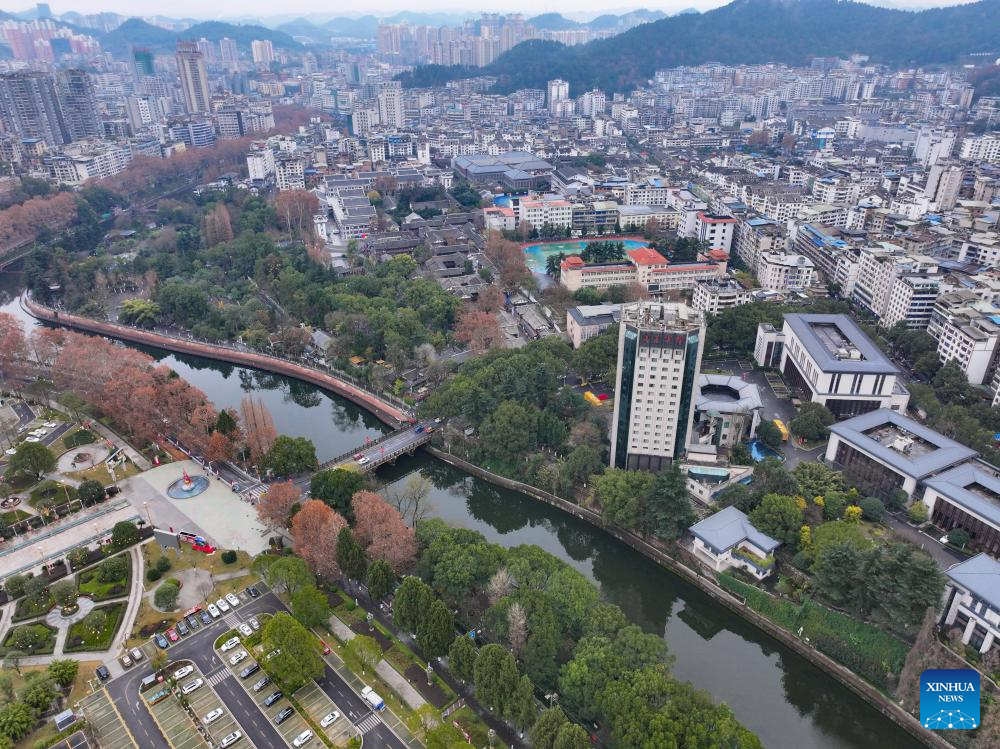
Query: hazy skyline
249	9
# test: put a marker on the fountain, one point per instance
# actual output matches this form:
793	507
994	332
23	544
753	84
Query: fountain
187	486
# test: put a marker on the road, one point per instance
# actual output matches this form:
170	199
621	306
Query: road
198	647
402	440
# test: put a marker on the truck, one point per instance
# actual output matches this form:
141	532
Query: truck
373	699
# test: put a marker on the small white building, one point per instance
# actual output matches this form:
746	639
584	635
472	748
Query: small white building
716	295
972	601
780	271
728	539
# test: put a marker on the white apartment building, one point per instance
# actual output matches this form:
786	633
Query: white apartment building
289	173
981	148
659	358
260	164
557	91
967	331
779	271
758	235
878	269
262	51
911	300
716	231
713	296
77	163
551	211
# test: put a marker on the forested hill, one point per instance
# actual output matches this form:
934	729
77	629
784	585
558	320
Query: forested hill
745	31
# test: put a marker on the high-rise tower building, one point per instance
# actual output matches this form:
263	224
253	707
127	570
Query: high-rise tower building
228	53
194	77
558	90
142	62
263	52
78	102
29	106
659	357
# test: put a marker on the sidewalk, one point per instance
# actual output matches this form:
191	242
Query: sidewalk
944	557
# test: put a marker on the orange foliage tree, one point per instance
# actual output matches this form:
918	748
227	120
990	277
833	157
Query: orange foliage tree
258	427
480	331
314	537
275	506
381	532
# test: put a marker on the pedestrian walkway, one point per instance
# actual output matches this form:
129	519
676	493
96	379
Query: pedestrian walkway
231	620
369	723
219	676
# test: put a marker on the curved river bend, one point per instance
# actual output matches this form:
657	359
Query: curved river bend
784	699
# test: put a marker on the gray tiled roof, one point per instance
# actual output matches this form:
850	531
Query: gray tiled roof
727	528
953	485
947	452
874	362
980	576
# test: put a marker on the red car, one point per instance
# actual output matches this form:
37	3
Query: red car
358	456
204	548
172	636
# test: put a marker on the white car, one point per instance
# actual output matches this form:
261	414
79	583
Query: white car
329	720
10	451
303	738
213	611
50	424
32	438
234	601
364	459
223	606
212	716
231	643
254	624
231	739
237	658
136	654
273	653
245	630
191	686
182	672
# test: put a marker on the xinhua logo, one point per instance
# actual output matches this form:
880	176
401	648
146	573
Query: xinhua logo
949	698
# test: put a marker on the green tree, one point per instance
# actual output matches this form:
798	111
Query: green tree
436	630
668	512
113	569
834	504
510	431
901	582
779	517
572	736
958	537
366	650
289	455
7	687
771	477
350	555
124	534
496	677
741	455
291	573
78	557
812	421
837	573
522	710
622	494
299	660
817	480
544	733
165	597
39	694
738	496
579	465
140	312
413	599
769	434
309	606
336	487
462	657
16	719
31	459
90	492
597	355
381	579
64	671
872	509
28	637
64	592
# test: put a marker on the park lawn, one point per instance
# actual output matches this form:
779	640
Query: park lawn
28	607
91	585
77	438
46	648
50	489
89	641
13	516
185	558
101	474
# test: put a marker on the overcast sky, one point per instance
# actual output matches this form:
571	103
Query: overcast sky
265	8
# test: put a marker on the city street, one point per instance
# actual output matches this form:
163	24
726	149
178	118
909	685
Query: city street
198	647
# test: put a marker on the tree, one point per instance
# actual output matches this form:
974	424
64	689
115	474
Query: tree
313	529
817	480
812	421
738	496
572	736
113	569
296	209
381	532
336	487
299	660
350	557
290	573
508	259
367	650
872	509
544	733
290	455
496	677
309	606
219	447
165	597
958	537
411	502
64	671
918	512
40	693
622	494
769	434
274	507
779	517
462	657
216	226
517	627
90	492
31	459
14	585
436	630
97	620
124	534
413	598
668	513
522	710
142	313
770	477
510	431
16	719
64	592
837	573
480	331
381	579
258	428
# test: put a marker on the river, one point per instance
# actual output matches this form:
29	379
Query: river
784	699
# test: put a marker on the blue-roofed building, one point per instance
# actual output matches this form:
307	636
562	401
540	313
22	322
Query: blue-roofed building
728	539
882	451
972	602
967	497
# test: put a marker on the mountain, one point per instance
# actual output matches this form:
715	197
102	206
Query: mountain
745	32
141	34
555	22
302	29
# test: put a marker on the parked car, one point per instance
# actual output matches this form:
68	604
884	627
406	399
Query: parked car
249	671
172	636
329	720
213	716
213	611
273	653
182	629
50	424
262	683
126	661
326	648
230	739
358	456
253	592
229	644
222	605
102	673
284	715
245	629
206	617
238	657
191	686
136	654
192	621
303	738
233	599
161	641
363	460
254	623
273	697
182	672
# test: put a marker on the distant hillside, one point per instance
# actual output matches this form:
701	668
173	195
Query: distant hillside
556	22
365	27
747	32
608	21
141	34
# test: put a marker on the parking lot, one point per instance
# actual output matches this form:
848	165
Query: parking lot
317	705
174	722
76	741
108	726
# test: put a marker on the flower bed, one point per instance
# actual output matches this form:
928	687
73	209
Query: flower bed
46	636
91	585
81	639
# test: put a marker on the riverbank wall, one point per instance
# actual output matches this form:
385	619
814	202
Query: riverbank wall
388	413
694	574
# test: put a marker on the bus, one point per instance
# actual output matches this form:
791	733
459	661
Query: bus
782	428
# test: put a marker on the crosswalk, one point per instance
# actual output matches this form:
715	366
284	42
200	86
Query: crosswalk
231	620
369	723
219	676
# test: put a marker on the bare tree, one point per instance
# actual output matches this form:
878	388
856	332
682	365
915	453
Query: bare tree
517	627
500	585
411	500
258	427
